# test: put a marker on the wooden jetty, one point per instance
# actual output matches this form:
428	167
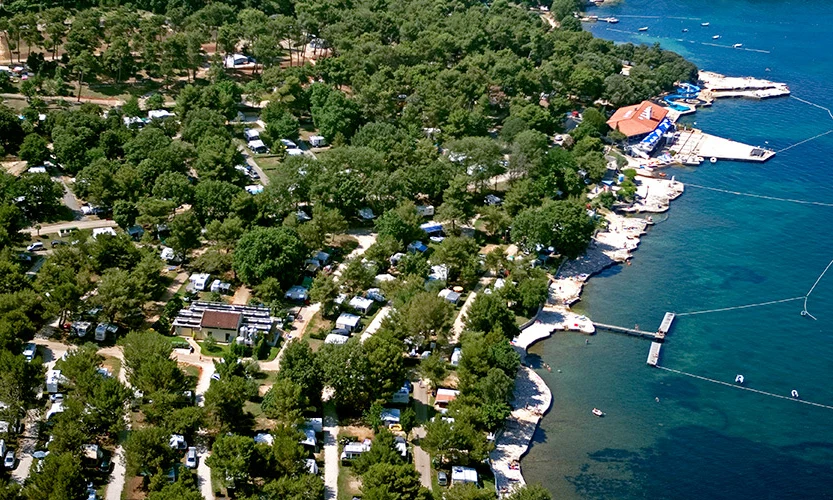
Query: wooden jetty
629	331
658	336
653	354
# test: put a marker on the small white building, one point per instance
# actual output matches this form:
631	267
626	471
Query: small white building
462	475
456	356
294	152
257	146
390	416
347	321
220	287
449	295
297	293
199	281
167	254
251	134
317	141
103	230
288	144
160	114
334	338
361	304
352	451
425	210
254	189
80	328
53	381
233	60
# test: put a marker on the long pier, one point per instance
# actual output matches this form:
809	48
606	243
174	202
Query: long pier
657	336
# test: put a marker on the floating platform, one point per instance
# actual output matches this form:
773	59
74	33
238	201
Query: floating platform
695	146
716	85
653	354
665	326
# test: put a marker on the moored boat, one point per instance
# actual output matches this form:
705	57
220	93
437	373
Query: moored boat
644	28
716	37
794	394
739	379
737	45
704	24
598	412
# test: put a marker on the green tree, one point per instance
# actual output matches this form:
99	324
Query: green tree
213	199
285	400
268	252
226	233
383	451
385	481
402	223
425	316
34	150
62	477
173	186
185	232
530	492
434	369
231	456
125	213
147	451
468	491
325	291
148	363
302	366
489	312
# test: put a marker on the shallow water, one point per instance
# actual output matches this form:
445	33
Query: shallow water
715	250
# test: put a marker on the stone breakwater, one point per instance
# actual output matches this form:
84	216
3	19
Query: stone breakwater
533	398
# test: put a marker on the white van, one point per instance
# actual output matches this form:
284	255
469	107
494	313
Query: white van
30	351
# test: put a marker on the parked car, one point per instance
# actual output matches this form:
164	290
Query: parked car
191	458
34	247
56	243
8	461
442	478
105	462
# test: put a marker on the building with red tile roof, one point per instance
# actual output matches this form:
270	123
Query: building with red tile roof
637	120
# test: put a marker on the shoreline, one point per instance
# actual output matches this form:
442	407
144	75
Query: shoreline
533	398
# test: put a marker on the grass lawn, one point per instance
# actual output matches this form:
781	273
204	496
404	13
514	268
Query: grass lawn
218	350
273	353
319	323
177	342
191	370
267	162
349	484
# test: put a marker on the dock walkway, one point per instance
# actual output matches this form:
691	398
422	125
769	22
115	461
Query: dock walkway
695	143
659	335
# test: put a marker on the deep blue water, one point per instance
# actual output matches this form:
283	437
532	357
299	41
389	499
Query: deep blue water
704	440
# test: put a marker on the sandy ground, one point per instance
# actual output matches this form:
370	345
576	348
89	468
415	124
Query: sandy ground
331	457
14	167
460	321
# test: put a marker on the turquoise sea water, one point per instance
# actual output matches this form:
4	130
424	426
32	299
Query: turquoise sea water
704	440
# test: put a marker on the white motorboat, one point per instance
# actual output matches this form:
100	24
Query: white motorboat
685	30
739	379
598	412
644	28
737	45
716	37
704	24
794	394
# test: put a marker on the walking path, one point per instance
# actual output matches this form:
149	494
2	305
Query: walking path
78	224
460	321
331	458
27	446
532	399
422	460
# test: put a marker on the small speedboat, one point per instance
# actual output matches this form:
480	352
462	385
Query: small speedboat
704	24
737	45
598	412
716	37
713	159
739	379
612	20
794	394
644	28
685	30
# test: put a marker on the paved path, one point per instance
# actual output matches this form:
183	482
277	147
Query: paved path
115	485
204	476
27	446
331	457
460	321
79	224
422	460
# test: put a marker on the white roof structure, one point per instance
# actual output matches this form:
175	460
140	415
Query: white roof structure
309	437
390	415
251	134
236	60
257	143
317	140
289	144
438	273
381	278
103	230
199	280
456	356
264	438
297	292
254	189
348	320
334	338
463	475
37	170
160	114
294	152
449	295
361	304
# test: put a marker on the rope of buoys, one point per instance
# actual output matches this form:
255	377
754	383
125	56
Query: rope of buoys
736	386
692	313
805	312
814	104
805	140
763	197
